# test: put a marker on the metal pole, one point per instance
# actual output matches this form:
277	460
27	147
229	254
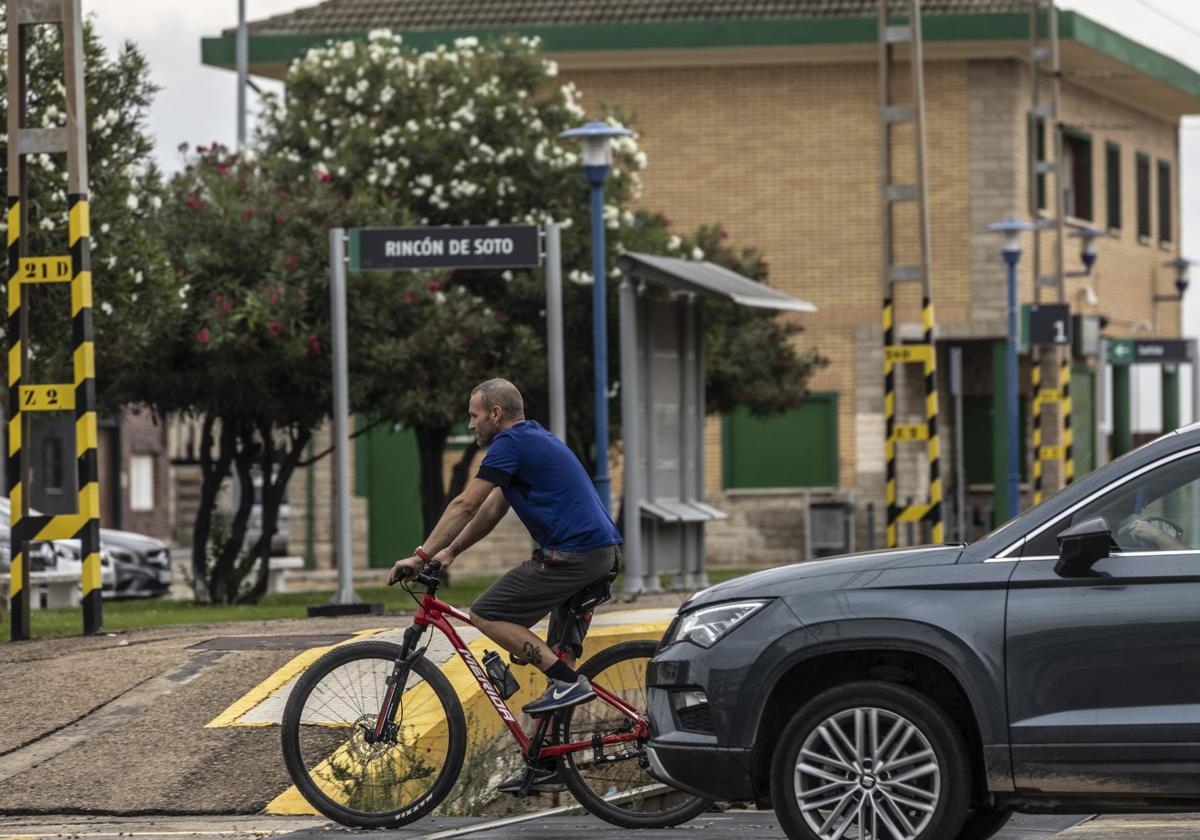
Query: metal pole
341	417
1011	256
243	71
554	332
600	334
631	432
960	475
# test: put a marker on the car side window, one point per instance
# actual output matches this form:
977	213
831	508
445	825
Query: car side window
1158	510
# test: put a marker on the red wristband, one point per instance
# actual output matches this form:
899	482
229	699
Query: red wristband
420	552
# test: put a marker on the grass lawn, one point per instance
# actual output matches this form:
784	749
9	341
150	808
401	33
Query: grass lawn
157	612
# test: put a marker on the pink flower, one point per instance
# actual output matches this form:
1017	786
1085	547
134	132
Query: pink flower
290	262
314	345
434	286
194	202
247	212
202	336
273	329
410	297
324	177
279	220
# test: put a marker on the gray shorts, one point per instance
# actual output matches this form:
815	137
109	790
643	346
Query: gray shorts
542	586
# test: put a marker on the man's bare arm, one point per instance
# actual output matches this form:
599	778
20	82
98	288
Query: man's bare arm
481	524
458	513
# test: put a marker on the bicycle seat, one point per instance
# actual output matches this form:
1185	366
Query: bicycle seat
592	595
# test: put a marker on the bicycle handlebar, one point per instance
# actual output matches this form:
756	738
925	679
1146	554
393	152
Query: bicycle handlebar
427	576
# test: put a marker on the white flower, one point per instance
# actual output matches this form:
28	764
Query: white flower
551	68
697	254
156	202
425	181
104	228
640	159
106	307
583	278
673	243
138	277
412	126
347	49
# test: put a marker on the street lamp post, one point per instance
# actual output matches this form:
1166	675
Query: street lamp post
597	163
1011	228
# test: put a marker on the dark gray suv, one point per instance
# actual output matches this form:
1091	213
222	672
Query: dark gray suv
925	694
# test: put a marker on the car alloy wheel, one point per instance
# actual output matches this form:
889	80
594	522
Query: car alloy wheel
867	774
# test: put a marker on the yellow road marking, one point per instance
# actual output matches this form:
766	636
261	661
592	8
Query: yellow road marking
276	681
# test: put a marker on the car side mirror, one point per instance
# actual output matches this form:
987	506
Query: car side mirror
1080	546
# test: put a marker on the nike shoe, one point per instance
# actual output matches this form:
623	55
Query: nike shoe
545	780
561	695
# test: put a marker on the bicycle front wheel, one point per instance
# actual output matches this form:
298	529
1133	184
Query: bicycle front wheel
333	756
618	789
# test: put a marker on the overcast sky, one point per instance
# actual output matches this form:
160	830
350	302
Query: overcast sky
197	103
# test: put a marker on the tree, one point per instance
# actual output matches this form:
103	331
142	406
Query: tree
466	134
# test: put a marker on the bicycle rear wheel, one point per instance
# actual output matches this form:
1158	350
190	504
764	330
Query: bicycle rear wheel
330	750
619	789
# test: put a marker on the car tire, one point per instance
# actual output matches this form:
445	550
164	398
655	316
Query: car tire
842	734
983	823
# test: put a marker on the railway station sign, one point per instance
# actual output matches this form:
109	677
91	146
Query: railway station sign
468	246
1128	351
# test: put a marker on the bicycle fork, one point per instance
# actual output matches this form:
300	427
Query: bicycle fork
397	680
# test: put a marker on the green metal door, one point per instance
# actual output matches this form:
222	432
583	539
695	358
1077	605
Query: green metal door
1083	417
389	475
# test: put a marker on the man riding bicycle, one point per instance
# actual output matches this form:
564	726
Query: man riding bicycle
532	471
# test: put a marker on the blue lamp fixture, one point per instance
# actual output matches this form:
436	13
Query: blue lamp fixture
1012	229
597	163
1087	253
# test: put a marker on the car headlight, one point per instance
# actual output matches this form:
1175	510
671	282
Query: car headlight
705	626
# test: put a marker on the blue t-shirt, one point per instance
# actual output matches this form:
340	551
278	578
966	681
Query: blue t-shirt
546	485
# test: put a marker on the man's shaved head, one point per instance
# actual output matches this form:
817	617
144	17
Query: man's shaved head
495	405
502	393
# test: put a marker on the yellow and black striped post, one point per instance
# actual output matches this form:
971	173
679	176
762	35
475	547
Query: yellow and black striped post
79	396
889	415
88	534
1064	381
930	512
1036	388
19	598
933	516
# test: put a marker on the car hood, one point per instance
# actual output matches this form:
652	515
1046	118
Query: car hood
129	541
781	581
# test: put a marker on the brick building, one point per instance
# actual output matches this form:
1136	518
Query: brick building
764	115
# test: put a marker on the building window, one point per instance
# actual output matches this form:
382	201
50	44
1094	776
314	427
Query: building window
796	449
1143	196
1037	131
141	482
1164	201
1112	185
1077	174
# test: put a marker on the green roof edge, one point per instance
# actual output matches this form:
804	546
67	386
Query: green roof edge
700	34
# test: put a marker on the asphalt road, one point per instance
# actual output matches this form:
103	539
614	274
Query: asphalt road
741	825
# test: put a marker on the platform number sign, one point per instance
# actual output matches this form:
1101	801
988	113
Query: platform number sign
1050	324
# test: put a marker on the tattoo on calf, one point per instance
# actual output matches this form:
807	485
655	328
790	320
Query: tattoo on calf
532	654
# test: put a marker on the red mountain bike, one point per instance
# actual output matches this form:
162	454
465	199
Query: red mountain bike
374	735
